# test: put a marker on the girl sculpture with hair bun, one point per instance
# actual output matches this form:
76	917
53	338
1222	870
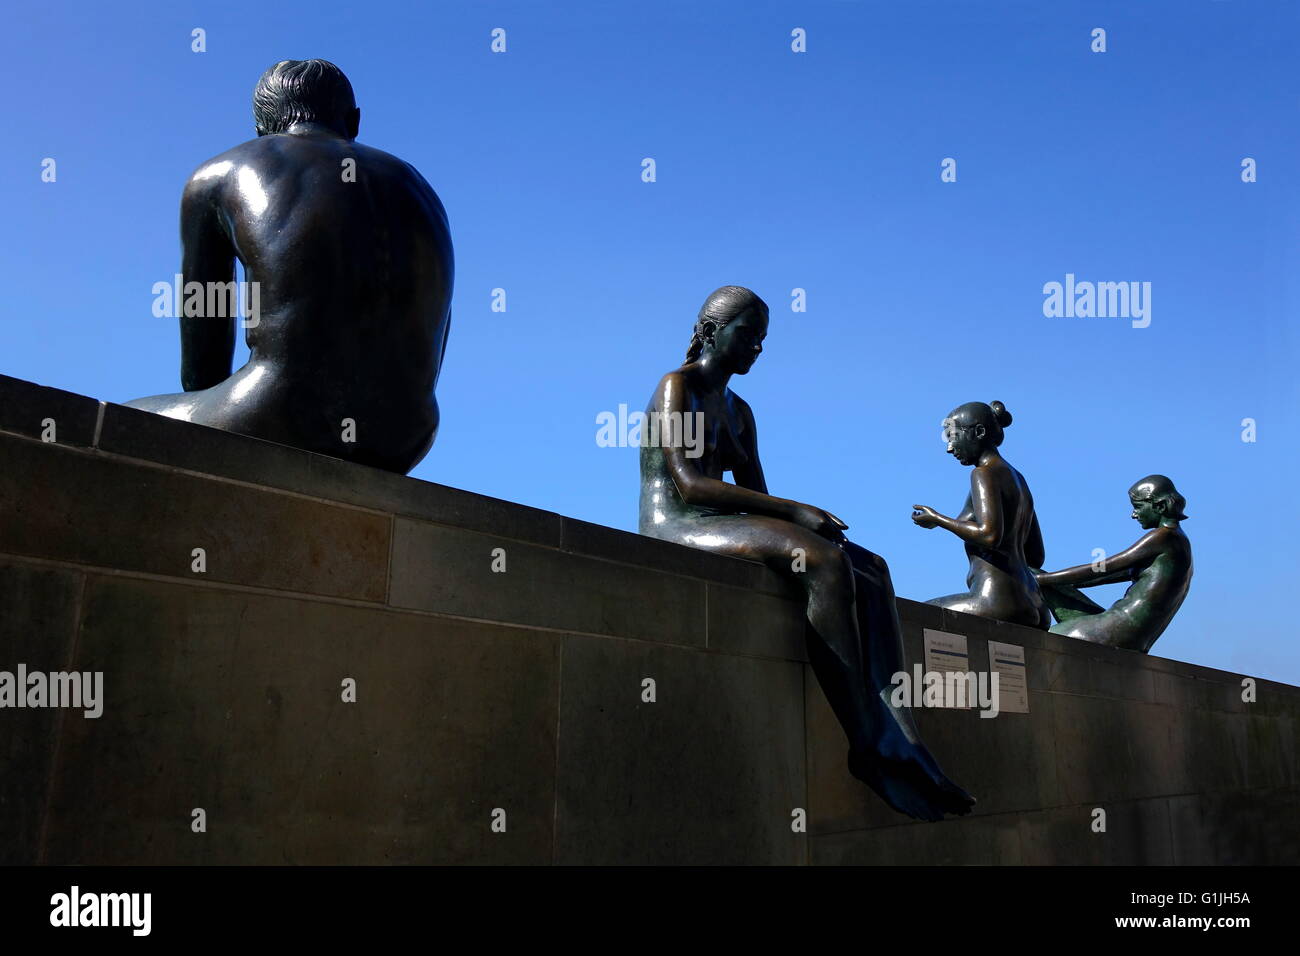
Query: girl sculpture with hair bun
854	637
998	523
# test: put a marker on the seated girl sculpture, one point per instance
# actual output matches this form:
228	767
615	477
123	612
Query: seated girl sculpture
854	638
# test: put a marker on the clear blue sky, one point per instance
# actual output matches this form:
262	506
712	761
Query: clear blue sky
775	170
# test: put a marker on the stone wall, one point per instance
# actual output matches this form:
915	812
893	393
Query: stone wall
478	690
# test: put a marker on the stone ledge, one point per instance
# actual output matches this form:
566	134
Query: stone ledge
197	449
479	690
185	446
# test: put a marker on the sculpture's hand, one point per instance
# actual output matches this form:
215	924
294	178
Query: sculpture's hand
925	517
818	521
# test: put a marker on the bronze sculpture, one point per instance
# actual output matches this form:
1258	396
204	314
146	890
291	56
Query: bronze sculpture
1159	564
854	637
351	253
997	524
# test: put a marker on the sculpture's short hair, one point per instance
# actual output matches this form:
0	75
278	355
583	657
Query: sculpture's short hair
301	91
1163	492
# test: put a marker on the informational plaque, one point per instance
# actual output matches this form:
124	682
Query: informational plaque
946	654
1008	662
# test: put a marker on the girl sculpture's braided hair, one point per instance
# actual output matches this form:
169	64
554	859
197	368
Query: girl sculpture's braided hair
719	308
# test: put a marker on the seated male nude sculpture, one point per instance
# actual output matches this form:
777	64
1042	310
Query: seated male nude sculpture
352	256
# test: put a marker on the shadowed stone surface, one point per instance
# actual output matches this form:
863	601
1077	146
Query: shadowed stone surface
523	690
594	540
1137	832
232	702
38	621
450	571
110	513
746	622
25	409
138	434
709	773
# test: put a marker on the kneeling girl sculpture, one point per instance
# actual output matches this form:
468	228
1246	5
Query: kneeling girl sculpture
1159	564
997	524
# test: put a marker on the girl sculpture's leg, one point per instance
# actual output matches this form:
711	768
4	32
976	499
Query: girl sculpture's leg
1067	603
883	750
882	641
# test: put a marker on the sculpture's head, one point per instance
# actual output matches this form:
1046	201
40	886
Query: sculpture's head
730	329
305	91
973	428
1155	499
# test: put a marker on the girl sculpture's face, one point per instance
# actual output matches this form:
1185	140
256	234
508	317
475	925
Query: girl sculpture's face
1146	513
964	441
739	343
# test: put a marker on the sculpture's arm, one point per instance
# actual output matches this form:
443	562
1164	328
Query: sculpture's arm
750	475
1035	554
1119	567
699	489
986	530
207	255
442	352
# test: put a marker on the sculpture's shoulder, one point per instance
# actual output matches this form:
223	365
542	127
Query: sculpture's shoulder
1164	561
282	150
738	403
675	388
997	473
1170	541
1016	483
213	173
377	158
741	408
680	377
399	171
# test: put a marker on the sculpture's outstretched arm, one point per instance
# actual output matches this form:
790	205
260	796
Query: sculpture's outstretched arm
207	255
1119	567
1082	576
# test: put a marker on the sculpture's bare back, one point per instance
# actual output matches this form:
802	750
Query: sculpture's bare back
352	256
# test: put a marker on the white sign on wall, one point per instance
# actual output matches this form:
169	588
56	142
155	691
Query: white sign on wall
1008	662
946	653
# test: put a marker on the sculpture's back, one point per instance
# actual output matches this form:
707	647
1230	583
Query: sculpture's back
352	257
